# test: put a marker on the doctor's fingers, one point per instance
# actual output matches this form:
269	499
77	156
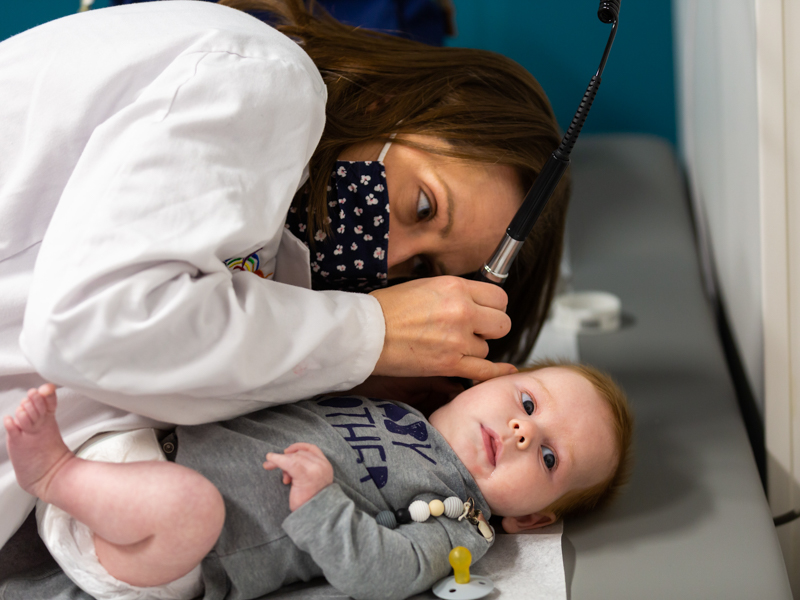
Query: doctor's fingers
471	307
480	369
487	294
489	323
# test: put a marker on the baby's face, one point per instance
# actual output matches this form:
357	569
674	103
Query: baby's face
529	438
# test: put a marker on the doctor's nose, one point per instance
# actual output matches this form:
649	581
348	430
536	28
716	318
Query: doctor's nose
524	432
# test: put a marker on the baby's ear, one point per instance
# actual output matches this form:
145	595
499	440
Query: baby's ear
534	521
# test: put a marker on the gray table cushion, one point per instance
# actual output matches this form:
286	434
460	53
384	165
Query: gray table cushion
694	522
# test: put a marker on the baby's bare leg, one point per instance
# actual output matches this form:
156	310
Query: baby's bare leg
153	521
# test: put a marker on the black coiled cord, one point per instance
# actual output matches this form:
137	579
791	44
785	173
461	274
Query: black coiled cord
496	269
608	11
569	139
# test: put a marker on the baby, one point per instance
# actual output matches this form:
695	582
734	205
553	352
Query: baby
532	447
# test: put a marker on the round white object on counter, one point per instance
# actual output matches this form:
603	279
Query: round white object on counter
587	312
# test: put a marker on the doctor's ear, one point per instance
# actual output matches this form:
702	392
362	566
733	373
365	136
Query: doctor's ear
534	521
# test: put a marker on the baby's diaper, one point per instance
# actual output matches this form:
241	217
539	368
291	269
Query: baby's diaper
72	544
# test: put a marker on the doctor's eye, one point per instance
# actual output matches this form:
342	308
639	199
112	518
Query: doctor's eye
424	208
549	458
527	403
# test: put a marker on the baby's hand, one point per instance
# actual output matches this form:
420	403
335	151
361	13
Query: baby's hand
305	467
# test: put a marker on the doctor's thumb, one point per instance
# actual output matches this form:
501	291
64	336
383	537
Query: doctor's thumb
480	369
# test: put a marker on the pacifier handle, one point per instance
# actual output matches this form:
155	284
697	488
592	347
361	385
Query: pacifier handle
460	559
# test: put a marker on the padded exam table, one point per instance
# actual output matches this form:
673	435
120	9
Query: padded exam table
694	522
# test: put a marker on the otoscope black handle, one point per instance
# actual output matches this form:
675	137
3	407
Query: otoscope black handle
537	197
497	268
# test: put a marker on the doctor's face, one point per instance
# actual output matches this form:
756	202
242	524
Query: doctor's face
446	215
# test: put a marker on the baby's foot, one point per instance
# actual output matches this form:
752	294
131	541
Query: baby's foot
35	445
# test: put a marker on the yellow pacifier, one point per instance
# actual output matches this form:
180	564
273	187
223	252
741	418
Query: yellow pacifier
460	585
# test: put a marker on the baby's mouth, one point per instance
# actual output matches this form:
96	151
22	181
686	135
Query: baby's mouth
490	444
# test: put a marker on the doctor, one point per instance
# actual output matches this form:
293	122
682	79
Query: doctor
188	199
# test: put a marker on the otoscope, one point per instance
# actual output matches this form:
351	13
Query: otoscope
497	268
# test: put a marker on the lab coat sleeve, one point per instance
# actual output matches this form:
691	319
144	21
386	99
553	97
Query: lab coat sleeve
363	559
131	302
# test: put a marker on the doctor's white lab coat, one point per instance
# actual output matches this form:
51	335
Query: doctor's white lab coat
141	147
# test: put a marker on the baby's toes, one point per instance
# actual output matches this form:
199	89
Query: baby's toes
12	428
38	406
24	418
48	392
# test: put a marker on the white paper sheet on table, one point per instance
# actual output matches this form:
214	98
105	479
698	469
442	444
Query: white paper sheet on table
526	565
523	566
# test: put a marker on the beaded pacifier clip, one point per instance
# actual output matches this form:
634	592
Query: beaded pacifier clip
452	508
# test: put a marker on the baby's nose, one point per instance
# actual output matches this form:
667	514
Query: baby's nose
523	433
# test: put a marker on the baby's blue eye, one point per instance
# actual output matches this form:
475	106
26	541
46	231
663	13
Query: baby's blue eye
527	403
423	207
549	457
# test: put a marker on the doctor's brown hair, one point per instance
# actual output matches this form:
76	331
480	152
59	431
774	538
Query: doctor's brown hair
485	106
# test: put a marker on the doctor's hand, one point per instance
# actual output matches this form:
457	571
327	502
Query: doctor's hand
439	326
305	467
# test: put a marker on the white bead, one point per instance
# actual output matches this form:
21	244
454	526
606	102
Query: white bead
419	511
437	508
453	507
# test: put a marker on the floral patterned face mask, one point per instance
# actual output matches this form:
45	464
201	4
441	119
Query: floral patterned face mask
351	256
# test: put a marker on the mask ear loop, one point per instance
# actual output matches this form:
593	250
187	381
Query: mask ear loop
386	147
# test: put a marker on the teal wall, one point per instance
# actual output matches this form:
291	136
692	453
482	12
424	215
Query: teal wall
559	42
19	16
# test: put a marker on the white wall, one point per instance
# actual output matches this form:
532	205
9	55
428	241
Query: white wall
739	80
715	42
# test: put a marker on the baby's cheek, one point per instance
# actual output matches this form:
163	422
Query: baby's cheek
508	495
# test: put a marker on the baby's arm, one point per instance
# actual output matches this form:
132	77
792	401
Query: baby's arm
365	560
